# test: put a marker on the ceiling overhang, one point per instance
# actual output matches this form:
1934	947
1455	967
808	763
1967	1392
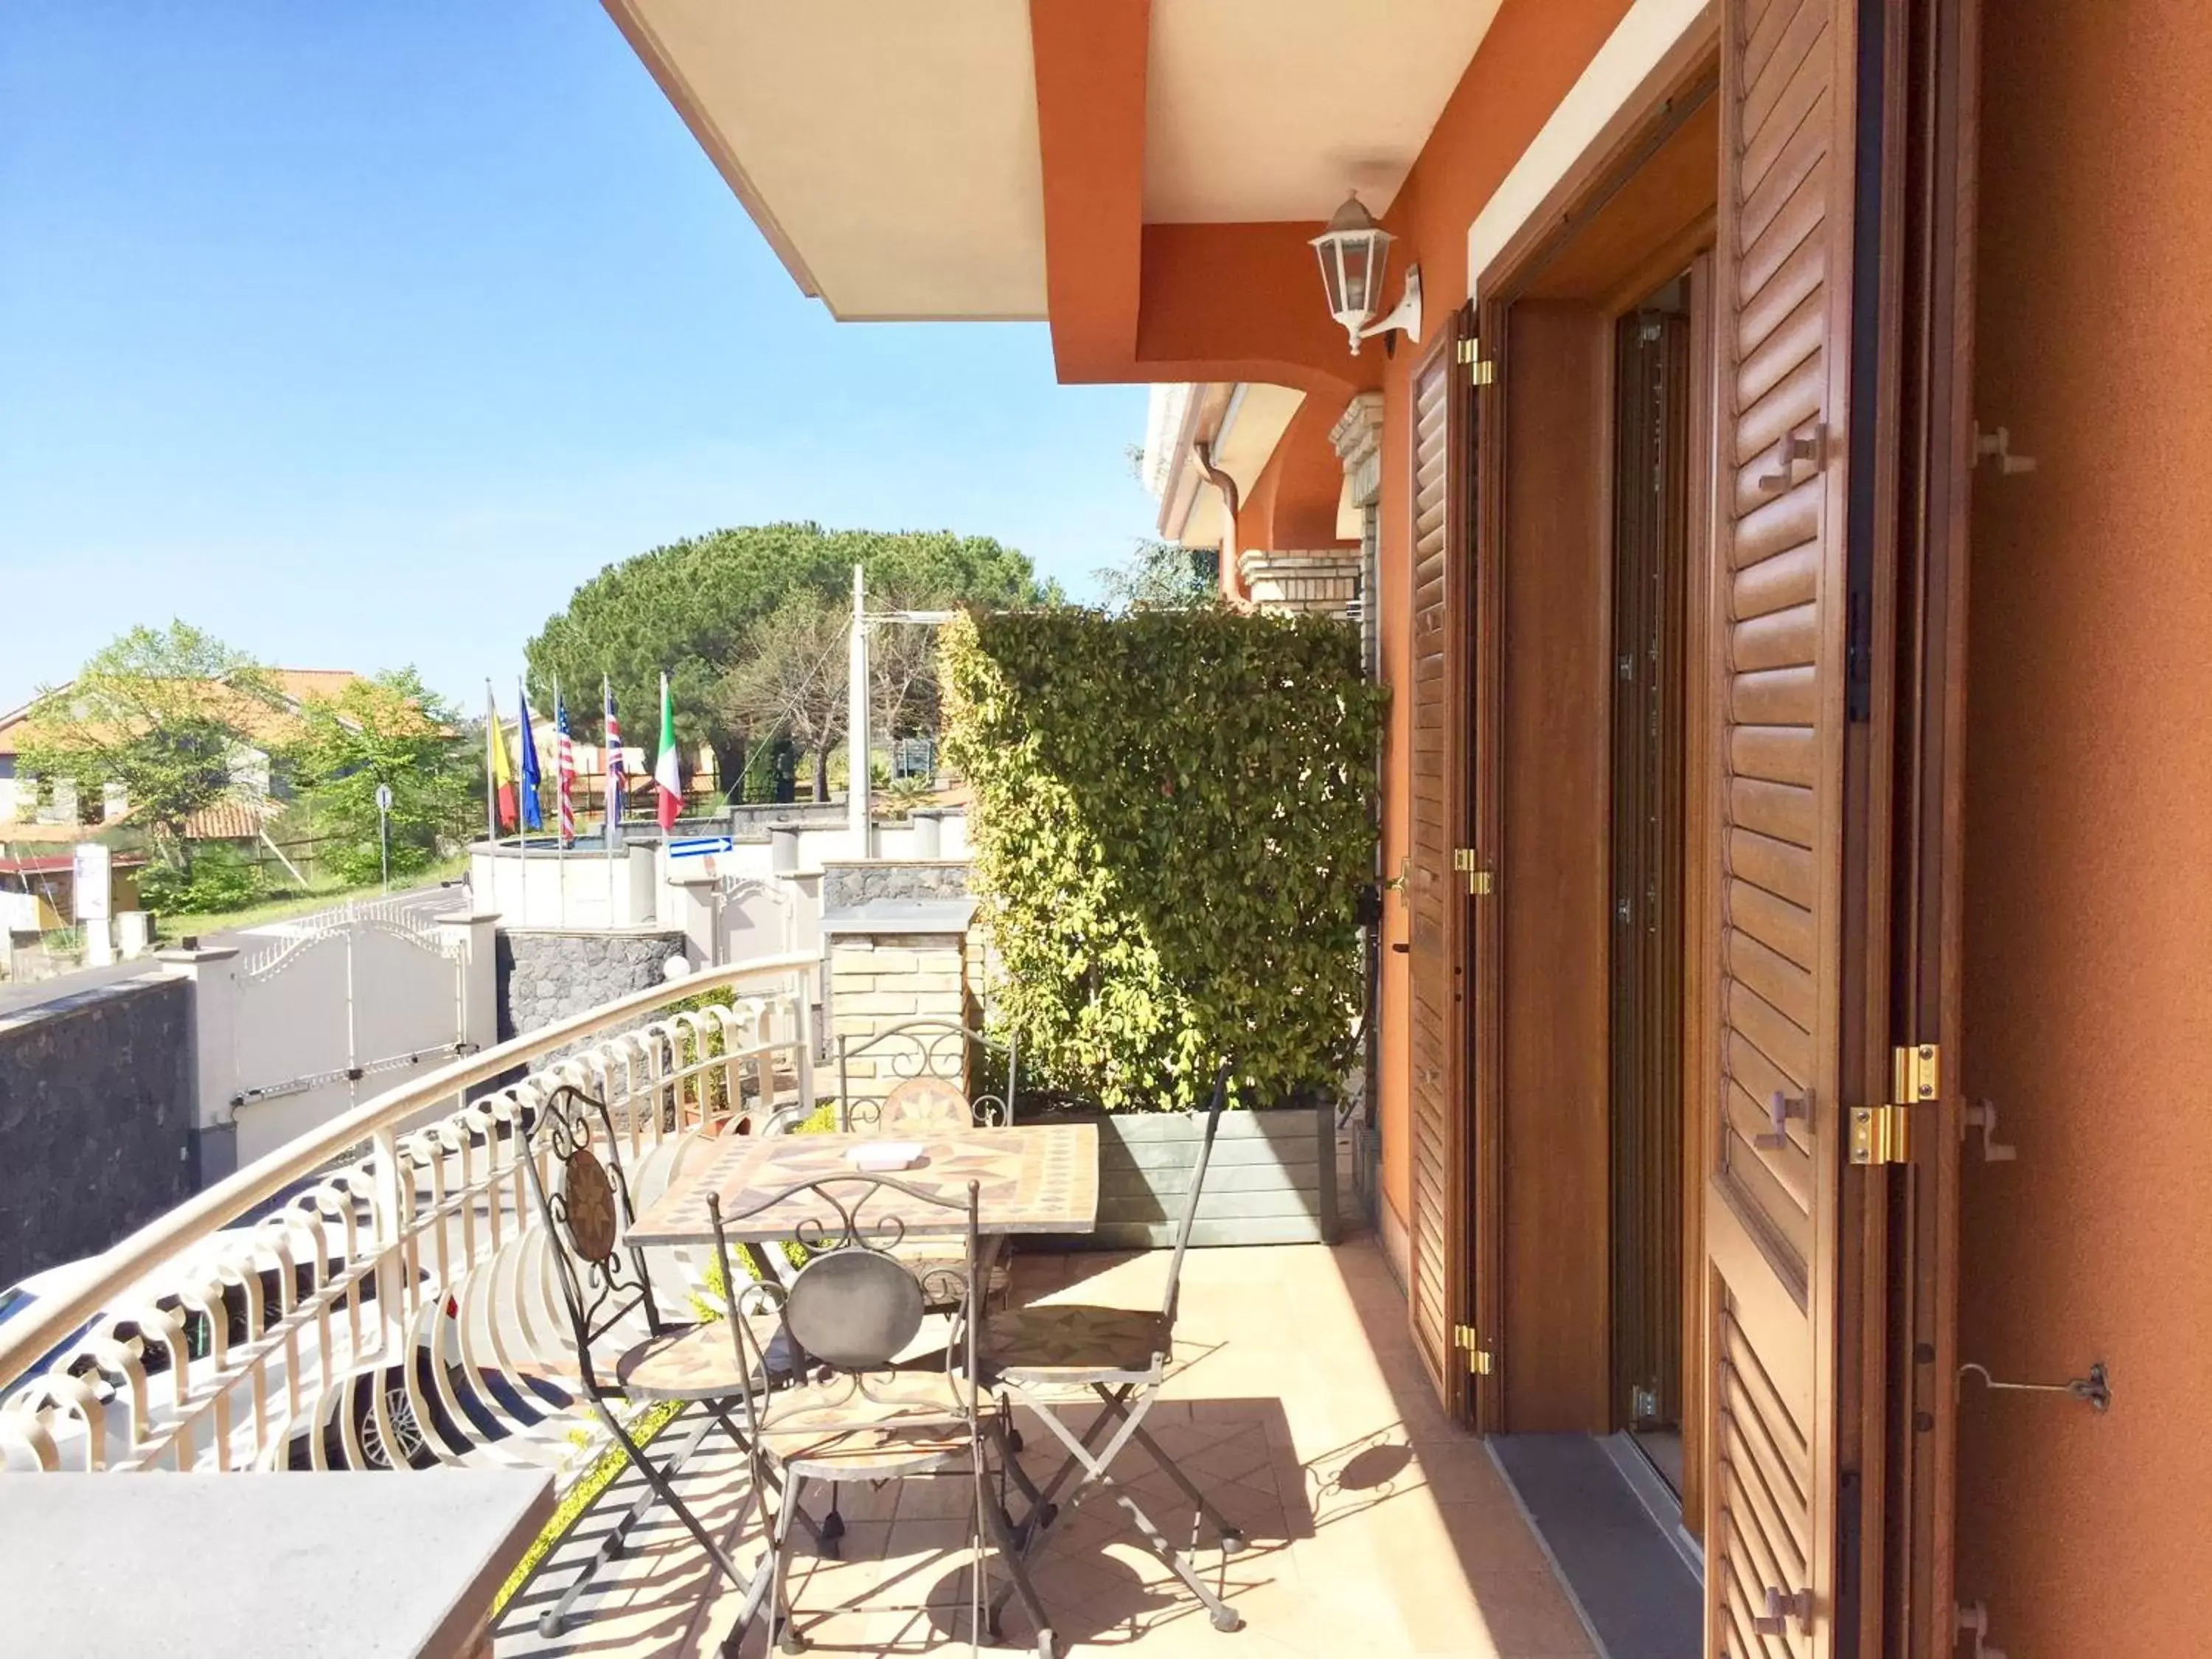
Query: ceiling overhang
887	150
912	161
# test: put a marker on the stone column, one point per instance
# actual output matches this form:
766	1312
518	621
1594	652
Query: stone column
1323	582
213	971
880	979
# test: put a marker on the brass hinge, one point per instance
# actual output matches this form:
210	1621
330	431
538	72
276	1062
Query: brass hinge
1479	1357
1480	881
1481	371
1883	1134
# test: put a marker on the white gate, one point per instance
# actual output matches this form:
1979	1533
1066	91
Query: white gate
329	1011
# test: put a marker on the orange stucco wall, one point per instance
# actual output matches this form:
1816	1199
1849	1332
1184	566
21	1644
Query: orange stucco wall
2089	1013
1531	55
1242	302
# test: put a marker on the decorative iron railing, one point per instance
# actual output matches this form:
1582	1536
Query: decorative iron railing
376	1293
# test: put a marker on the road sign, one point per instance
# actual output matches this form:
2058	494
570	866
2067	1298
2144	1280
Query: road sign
384	798
700	846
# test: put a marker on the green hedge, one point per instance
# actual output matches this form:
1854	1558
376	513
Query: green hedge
1173	822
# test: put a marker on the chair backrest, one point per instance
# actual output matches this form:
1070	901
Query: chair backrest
922	1049
587	1212
1197	1185
855	1304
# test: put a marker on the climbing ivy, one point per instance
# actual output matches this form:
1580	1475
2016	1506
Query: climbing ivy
1173	821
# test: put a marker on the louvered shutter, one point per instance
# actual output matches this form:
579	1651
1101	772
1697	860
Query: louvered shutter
1435	894
1774	719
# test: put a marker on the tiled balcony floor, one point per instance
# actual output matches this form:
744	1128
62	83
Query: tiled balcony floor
1376	1527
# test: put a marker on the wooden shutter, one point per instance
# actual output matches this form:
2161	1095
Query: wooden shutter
1436	893
1773	882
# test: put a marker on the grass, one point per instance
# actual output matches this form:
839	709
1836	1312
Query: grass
319	894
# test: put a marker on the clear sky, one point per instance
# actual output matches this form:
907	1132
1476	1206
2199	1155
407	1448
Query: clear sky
360	331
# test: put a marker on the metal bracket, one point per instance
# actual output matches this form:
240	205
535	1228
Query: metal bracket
1467	862
1780	1109
1781	1608
1984	1117
2095	1389
1998	446
1479	1359
1809	443
1973	1620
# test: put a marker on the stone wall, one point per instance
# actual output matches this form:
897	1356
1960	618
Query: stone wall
96	1113
846	883
546	974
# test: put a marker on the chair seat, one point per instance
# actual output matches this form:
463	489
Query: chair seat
696	1362
1075	1344
832	1430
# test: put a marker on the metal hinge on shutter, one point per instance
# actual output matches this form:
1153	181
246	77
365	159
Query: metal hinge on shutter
1478	1359
1480	882
1481	371
1883	1134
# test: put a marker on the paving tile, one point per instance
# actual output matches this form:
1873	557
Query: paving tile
1378	1528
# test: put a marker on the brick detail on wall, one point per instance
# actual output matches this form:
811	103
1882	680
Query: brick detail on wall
878	981
1322	583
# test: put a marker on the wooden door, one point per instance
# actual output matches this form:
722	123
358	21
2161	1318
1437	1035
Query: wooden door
1773	887
1435	889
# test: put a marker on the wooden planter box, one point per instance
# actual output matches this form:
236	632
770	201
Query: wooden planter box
1272	1180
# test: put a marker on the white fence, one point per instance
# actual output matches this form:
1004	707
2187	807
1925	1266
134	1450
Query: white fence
375	1297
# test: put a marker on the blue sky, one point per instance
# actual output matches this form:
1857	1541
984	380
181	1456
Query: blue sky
358	334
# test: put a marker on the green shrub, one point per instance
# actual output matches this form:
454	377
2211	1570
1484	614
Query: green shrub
218	878
1173	822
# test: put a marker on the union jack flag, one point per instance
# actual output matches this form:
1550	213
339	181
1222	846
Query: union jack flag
565	766
614	753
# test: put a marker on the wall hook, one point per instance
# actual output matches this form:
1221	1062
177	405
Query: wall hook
1973	1620
1998	444
2094	1388
1983	1116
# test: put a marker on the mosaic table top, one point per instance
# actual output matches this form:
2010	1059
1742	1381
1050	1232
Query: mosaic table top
1040	1178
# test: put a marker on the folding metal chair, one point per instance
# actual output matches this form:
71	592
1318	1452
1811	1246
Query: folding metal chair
587	1212
878	1406
1071	1353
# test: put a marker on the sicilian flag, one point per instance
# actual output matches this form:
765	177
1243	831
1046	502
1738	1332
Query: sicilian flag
564	767
613	738
665	777
498	767
532	818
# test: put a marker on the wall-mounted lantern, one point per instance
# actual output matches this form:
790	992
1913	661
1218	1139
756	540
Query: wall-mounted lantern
1353	250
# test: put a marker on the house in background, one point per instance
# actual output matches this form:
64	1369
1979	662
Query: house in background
1794	993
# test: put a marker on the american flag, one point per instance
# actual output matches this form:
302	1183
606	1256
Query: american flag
565	766
614	753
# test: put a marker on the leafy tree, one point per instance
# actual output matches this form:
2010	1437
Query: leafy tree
389	730
162	714
1164	576
790	679
687	608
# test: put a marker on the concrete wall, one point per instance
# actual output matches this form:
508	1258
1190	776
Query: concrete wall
2089	866
545	974
96	1112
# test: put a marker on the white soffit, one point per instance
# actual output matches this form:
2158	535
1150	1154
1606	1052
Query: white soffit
1260	110
887	149
1638	45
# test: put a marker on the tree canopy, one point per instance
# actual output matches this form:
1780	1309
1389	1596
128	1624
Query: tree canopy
164	715
690	609
389	730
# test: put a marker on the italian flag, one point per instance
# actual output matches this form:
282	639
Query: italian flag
666	778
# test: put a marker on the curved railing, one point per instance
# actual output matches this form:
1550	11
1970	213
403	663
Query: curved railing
373	1293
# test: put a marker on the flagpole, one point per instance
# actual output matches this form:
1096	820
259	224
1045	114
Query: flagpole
525	794
609	734
560	840
491	786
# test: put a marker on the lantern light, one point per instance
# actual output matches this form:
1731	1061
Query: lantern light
1353	251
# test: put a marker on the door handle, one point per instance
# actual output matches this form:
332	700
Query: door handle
1780	1109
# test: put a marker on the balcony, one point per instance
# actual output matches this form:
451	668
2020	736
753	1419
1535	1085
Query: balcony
375	1298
